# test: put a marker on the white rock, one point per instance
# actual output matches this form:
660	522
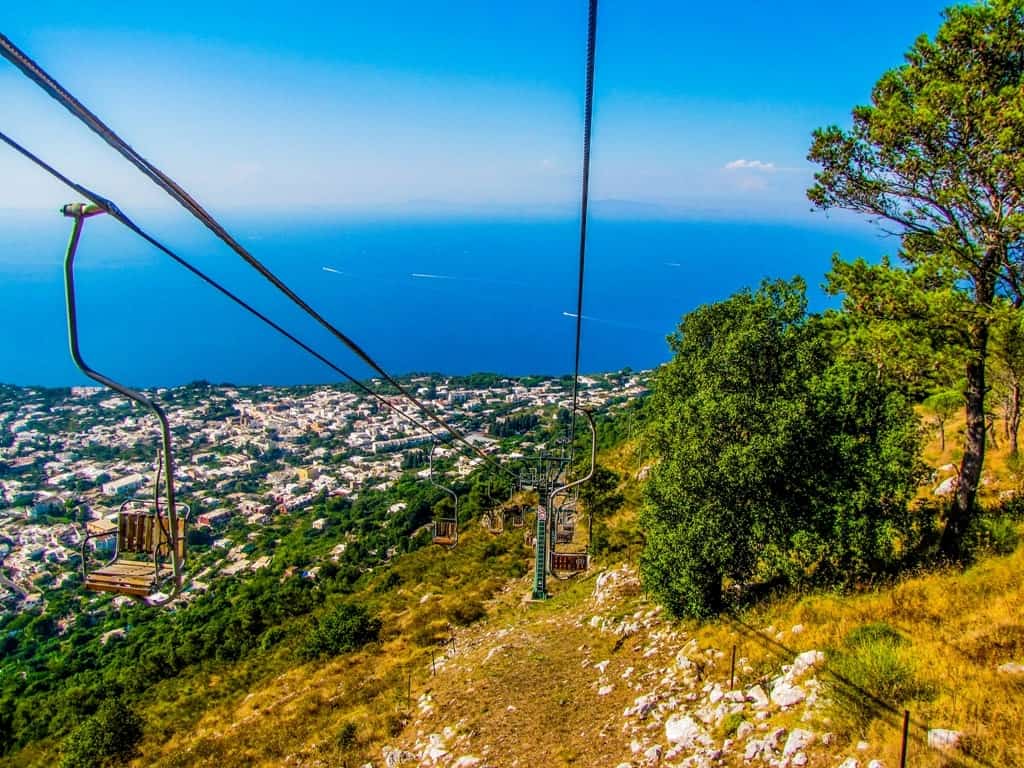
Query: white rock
604	690
758	697
798	739
601	666
805	662
863	746
850	762
1012	668
641	706
785	694
745	729
944	739
716	694
653	754
799	760
683	731
876	764
467	761
946	487
754	747
624	765
797	629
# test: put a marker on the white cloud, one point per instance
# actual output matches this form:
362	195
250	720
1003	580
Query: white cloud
751	165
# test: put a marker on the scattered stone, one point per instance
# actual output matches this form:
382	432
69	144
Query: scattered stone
876	764
745	729
683	731
1012	668
863	746
604	690
395	757
641	706
798	740
758	697
797	629
850	762
785	694
617	582
467	761
601	666
799	760
805	662
944	739
653	754
716	694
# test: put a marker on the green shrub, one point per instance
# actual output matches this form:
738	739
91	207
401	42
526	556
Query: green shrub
345	629
109	736
996	533
465	612
873	672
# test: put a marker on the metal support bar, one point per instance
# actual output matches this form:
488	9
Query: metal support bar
80	212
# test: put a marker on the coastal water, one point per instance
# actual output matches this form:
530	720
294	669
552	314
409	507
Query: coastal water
454	295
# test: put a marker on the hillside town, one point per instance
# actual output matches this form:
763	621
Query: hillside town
70	458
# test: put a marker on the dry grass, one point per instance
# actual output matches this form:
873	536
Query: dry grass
522	685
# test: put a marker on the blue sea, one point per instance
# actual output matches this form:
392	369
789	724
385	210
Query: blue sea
448	294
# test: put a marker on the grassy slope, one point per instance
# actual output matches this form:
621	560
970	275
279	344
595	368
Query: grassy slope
520	687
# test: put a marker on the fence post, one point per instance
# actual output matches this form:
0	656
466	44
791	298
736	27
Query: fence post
906	733
732	668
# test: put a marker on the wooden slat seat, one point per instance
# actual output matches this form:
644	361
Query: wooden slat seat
142	539
445	532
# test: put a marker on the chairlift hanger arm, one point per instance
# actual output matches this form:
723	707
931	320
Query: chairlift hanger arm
79	212
593	459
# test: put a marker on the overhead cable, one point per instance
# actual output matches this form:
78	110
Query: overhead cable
39	76
588	112
116	213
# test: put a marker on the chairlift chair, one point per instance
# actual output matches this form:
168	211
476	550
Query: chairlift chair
446	529
494	518
149	558
571	560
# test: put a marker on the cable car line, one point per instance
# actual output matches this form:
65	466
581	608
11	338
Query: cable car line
116	213
588	114
39	76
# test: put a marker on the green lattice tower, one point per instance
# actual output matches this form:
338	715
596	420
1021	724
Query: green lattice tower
540	569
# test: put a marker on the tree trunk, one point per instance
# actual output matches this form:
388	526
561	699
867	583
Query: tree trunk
1013	416
962	510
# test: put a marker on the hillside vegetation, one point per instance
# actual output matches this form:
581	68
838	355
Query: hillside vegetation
466	668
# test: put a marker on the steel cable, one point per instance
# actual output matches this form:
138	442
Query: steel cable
39	76
588	112
116	213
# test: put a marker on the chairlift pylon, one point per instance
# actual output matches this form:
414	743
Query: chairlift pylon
149	554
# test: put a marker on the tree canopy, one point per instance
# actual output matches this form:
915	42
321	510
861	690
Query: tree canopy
938	159
777	459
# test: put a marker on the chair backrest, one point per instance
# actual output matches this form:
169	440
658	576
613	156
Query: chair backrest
445	529
570	562
140	532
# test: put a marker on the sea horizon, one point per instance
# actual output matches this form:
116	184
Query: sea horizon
452	294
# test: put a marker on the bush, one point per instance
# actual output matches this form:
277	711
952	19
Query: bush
345	629
109	736
874	671
465	612
778	460
996	533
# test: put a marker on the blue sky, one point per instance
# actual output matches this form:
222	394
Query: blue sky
703	108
